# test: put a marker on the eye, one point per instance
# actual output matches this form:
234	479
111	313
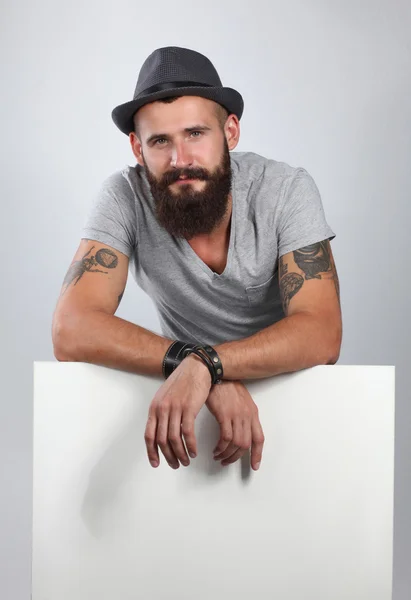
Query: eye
200	132
159	140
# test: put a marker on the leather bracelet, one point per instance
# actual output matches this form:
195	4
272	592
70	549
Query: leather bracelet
174	356
211	360
178	350
216	361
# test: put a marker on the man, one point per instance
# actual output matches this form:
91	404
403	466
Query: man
232	248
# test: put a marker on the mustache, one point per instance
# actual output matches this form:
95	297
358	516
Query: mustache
173	176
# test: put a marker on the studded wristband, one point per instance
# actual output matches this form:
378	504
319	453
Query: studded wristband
211	360
174	356
178	350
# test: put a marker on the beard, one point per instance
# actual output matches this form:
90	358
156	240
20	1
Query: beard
188	212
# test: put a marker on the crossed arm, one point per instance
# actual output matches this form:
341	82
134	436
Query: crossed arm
311	332
308	335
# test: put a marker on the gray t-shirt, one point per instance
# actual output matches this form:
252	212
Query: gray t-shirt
276	209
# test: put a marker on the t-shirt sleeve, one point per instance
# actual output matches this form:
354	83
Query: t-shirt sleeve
302	219
112	219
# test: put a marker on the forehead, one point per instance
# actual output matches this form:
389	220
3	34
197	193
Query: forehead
176	115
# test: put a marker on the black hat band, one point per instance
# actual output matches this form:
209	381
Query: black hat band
171	85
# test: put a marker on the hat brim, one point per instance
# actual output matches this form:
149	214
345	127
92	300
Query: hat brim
232	100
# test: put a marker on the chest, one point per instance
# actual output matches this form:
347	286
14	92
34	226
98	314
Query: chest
214	257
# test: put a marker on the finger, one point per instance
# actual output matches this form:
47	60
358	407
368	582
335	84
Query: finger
229	451
188	432
175	439
237	454
236	442
244	446
150	439
257	443
226	437
162	441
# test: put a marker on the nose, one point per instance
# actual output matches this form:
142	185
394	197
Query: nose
180	156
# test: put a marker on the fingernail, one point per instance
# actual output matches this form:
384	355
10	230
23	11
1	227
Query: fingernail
192	454
257	466
154	463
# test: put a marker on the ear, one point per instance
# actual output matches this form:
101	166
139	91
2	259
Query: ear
232	131
136	148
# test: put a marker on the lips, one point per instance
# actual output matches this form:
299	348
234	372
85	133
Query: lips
185	180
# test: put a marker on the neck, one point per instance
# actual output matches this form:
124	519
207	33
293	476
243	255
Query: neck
220	233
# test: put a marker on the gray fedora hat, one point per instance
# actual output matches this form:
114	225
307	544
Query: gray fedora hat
174	71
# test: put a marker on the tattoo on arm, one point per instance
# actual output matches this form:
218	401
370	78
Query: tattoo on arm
283	267
313	260
104	257
316	262
289	286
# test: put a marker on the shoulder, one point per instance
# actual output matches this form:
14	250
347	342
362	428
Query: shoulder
253	166
127	185
268	179
122	180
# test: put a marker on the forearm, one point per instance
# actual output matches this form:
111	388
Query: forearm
104	339
296	342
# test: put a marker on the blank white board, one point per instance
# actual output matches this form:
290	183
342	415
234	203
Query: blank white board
314	523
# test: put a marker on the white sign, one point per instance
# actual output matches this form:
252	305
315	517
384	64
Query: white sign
314	523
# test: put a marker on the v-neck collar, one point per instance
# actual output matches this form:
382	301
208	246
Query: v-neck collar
194	256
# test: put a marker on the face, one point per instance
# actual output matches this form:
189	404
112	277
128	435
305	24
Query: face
185	154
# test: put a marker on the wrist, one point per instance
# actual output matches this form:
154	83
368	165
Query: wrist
200	366
211	359
178	351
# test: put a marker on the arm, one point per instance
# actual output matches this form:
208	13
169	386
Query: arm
85	328
311	332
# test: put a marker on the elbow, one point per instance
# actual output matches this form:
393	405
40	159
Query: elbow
335	347
60	355
328	342
333	358
59	340
328	338
328	357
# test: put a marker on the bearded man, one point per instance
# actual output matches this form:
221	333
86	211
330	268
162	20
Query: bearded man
232	247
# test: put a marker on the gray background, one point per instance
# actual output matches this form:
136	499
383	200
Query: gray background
326	86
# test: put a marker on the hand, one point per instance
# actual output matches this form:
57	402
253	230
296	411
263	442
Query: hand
237	414
173	411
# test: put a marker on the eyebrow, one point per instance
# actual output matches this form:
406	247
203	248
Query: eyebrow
157	136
